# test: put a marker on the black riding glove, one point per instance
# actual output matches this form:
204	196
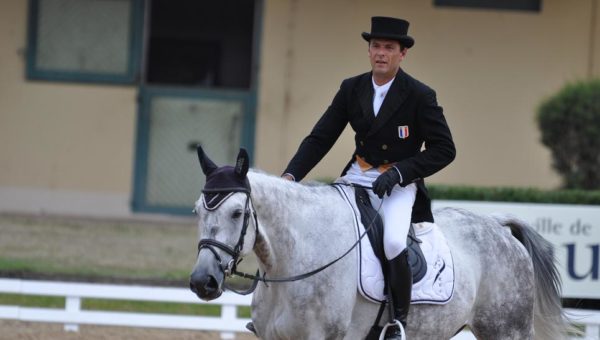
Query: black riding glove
386	181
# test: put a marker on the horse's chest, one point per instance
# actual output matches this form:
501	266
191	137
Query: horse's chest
278	321
288	316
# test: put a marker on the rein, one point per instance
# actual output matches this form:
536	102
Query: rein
230	268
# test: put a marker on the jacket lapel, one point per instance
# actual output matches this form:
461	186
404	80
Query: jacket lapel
392	102
365	96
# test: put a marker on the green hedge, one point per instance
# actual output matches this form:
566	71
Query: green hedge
507	194
504	194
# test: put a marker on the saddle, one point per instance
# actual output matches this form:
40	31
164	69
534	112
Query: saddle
369	216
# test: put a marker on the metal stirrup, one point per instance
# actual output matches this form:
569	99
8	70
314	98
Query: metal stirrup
390	324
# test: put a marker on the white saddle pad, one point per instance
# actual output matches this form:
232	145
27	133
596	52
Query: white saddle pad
436	287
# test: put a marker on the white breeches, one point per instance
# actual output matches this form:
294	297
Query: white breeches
396	209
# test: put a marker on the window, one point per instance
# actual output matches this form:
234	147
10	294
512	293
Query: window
201	43
84	40
520	5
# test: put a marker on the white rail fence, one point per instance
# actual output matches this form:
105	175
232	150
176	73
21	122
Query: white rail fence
73	315
227	323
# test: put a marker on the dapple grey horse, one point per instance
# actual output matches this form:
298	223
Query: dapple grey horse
506	283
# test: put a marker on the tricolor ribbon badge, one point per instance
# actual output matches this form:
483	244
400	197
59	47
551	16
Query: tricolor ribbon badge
403	131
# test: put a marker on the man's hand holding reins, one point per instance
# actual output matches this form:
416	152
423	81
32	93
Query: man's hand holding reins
386	181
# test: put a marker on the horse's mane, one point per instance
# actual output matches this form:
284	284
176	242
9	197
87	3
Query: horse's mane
267	184
267	176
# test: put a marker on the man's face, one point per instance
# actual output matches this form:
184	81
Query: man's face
385	56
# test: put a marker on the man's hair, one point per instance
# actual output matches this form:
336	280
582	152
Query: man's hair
399	43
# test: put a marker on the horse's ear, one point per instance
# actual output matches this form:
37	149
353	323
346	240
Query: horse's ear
207	165
242	164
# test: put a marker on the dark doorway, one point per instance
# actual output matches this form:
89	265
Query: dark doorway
201	43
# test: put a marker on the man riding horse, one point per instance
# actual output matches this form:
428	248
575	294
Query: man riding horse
393	115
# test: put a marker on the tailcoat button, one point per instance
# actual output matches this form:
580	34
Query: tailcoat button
384	147
362	143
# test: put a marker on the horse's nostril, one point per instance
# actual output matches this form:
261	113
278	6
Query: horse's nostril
205	286
212	284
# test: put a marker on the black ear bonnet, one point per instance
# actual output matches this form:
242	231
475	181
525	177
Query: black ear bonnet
222	182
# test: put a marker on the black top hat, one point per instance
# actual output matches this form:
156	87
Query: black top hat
390	28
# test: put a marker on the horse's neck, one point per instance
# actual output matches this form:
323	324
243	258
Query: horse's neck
282	209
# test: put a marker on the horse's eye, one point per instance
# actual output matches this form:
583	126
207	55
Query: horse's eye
236	214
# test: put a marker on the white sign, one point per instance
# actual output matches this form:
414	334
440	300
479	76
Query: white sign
574	230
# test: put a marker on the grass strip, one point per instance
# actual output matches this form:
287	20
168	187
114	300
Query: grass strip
151	307
32	301
50	268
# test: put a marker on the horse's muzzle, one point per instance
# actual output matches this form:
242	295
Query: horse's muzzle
206	286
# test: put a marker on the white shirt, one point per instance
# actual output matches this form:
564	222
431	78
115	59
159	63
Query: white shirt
380	93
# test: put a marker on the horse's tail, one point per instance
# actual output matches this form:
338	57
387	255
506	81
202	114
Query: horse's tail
550	322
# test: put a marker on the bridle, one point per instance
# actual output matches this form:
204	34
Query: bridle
230	268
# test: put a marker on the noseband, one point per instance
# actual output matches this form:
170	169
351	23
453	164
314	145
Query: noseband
228	268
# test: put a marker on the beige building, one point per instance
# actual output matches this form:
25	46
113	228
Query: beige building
101	102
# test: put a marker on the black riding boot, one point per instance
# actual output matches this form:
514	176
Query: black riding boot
400	277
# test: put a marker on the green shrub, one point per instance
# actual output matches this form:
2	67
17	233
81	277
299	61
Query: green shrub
507	194
570	125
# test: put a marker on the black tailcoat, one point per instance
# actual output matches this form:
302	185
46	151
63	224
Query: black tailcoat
408	104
